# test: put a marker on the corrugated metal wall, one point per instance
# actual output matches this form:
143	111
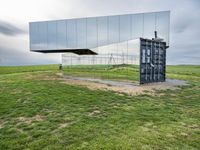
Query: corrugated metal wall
152	61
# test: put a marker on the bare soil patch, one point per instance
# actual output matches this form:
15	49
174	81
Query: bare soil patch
94	113
1	124
123	87
29	120
63	125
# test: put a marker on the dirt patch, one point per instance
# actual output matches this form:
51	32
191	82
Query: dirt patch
20	130
145	129
1	125
123	87
94	113
30	120
169	135
184	134
63	125
16	91
194	126
45	76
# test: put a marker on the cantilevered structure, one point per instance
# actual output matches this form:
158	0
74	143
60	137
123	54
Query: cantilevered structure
108	39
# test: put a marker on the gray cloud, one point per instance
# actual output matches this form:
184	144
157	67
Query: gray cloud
10	57
9	29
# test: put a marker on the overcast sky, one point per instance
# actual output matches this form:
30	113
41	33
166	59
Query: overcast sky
16	14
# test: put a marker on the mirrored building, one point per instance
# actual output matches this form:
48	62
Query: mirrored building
111	40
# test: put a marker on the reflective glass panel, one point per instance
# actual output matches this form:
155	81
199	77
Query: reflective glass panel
102	30
98	31
137	25
113	29
81	33
125	27
34	36
162	25
91	32
71	33
51	36
149	25
42	30
61	34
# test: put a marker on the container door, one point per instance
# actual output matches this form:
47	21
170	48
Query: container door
152	61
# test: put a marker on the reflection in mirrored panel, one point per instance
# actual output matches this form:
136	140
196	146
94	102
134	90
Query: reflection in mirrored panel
91	32
71	33
61	34
137	25
42	31
149	25
81	33
162	25
113	29
34	36
133	51
125	28
102	27
51	35
98	31
128	54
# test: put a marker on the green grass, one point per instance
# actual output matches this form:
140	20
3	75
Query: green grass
114	72
20	69
39	112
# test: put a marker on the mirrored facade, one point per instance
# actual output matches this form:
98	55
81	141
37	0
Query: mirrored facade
97	31
109	41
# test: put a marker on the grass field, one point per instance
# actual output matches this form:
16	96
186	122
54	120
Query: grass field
116	72
37	111
20	69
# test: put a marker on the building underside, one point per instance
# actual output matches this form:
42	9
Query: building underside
75	51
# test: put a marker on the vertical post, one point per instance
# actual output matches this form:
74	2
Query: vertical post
155	32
